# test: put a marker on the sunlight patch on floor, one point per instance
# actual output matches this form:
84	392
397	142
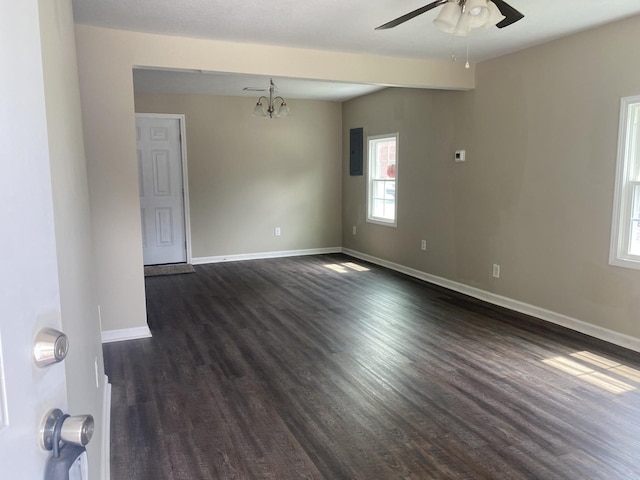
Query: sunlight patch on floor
345	267
615	367
597	371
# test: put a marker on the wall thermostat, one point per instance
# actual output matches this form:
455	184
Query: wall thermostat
460	155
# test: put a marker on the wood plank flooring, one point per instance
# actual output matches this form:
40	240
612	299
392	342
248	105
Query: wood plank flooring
317	368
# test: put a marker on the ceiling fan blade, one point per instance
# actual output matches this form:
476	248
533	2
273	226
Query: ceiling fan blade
511	14
415	13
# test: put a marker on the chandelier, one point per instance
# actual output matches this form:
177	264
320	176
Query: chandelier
271	111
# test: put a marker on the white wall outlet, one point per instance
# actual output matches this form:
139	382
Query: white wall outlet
354	229
277	232
460	155
496	271
423	245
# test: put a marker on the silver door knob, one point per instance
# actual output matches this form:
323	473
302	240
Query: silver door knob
57	427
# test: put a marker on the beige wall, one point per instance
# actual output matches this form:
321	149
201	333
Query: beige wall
424	121
248	175
105	61
72	220
535	194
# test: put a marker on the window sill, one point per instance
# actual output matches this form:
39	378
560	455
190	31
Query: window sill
625	263
385	223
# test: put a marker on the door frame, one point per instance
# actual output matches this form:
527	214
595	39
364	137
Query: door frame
185	173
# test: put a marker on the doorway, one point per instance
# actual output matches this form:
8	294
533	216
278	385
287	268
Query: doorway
163	187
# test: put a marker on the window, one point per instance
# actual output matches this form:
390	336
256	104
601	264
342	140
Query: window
381	179
625	235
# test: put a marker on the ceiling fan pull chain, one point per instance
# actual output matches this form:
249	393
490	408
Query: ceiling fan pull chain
454	56
466	65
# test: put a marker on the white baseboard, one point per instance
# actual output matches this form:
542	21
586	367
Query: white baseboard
106	431
601	333
109	336
262	255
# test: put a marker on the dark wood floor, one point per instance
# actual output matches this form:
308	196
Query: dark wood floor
305	368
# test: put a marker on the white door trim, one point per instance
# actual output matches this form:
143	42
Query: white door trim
185	173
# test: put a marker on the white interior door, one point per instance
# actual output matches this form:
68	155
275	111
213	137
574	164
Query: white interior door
29	288
162	207
29	301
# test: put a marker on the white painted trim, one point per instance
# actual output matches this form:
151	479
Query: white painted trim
185	186
4	413
596	331
185	172
262	255
370	158
109	336
106	430
622	203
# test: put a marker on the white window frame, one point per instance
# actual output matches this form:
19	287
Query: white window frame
371	159
628	160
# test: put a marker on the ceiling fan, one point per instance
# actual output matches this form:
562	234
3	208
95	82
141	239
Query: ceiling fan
459	17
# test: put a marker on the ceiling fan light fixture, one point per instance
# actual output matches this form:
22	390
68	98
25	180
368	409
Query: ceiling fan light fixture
476	7
468	16
478	13
449	17
480	20
495	15
464	26
486	13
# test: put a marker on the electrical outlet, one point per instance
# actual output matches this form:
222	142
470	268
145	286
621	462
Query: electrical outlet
354	229
277	232
496	271
423	245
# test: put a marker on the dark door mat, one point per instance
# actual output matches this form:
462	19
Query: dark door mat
175	269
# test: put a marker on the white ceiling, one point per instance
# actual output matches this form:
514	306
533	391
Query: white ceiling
341	26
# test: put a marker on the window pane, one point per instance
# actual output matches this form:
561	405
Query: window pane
634	231
390	190
385	160
634	242
388	211
625	233
378	189
633	150
382	209
382	178
377	210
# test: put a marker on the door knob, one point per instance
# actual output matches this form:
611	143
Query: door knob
57	427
